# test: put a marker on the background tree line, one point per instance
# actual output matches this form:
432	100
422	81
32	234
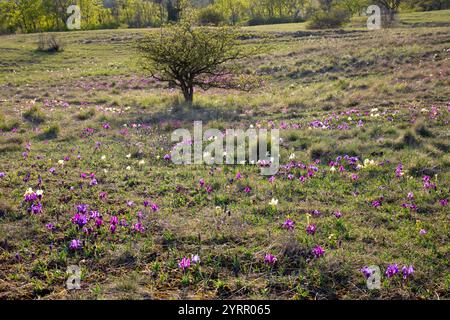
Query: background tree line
50	15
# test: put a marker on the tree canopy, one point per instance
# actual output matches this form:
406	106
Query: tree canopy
51	15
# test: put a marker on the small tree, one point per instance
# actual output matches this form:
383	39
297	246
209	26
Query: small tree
190	57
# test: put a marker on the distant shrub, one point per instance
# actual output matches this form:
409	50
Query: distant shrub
422	164
421	129
11	144
442	146
112	25
429	5
8	125
2	122
327	151
34	115
48	43
86	114
14	140
256	21
6	208
334	18
210	16
293	136
50	132
408	139
322	151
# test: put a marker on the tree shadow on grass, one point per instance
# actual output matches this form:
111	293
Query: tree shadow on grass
185	113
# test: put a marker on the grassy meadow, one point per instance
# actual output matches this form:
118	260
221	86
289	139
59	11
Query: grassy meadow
364	121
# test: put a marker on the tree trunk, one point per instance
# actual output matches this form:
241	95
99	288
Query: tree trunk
188	94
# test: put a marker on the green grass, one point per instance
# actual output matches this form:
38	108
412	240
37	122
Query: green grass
423	18
394	81
282	27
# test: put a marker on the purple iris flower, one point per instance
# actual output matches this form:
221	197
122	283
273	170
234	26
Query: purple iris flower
391	270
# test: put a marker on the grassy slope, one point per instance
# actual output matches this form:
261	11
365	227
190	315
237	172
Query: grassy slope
434	18
309	77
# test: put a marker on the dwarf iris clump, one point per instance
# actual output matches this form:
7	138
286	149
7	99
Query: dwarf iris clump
270	259
407	272
311	229
184	264
391	270
75	244
366	271
318	252
288	224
